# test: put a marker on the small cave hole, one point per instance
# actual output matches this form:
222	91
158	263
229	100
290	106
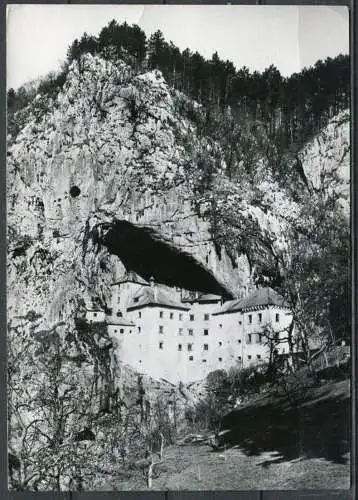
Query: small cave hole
75	191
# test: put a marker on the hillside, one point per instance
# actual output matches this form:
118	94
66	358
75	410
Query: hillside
266	445
77	168
118	170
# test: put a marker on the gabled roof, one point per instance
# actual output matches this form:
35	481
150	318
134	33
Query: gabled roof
131	277
257	299
147	296
119	322
262	297
229	307
202	297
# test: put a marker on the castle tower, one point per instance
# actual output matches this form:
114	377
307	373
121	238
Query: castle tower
123	290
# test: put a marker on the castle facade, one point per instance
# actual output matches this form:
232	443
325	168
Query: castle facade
167	333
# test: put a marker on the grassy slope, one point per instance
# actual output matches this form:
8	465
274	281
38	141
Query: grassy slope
272	447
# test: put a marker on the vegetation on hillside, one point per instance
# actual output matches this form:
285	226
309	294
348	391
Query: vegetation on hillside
242	155
291	109
249	128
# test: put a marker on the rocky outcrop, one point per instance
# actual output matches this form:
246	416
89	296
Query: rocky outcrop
105	149
112	147
326	160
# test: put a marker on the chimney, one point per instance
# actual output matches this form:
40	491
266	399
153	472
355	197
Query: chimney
154	287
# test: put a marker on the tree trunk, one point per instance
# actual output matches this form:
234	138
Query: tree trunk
150	476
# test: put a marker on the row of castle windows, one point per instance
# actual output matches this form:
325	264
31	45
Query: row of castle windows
192	316
171	315
191	358
249	338
258	336
180	316
181	331
277	318
189	346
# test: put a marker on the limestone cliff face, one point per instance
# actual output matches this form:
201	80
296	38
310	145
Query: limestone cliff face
105	149
112	147
326	160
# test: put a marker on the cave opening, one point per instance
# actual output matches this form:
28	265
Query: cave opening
75	191
141	250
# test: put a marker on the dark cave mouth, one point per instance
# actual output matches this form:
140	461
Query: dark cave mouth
141	250
75	191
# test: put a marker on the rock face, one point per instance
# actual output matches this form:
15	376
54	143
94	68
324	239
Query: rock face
112	147
104	150
326	160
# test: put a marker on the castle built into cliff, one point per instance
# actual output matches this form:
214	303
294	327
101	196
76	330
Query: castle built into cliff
182	336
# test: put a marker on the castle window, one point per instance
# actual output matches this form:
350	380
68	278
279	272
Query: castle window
180	347
95	315
191	317
119	314
121	330
171	315
180	331
161	329
277	317
118	300
206	317
240	322
206	347
160	314
249	357
220	326
260	317
249	339
239	358
139	329
190	347
259	356
115	331
161	344
259	338
203	360
239	341
250	318
206	332
136	299
139	314
220	343
220	359
180	316
191	331
191	358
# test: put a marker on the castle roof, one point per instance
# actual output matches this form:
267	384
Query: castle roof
262	297
119	322
257	299
201	297
229	307
131	277
149	297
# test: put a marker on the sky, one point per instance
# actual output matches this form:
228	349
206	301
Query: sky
290	37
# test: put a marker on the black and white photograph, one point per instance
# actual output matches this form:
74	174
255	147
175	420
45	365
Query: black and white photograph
178	248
